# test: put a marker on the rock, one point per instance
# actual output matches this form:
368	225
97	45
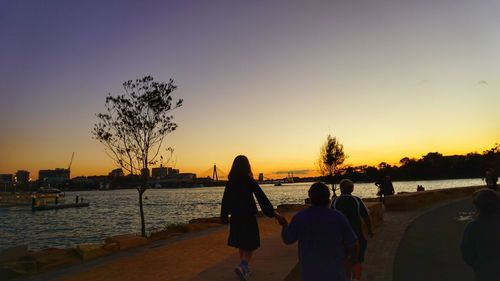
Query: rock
206	220
111	247
91	251
27	265
179	228
127	241
13	253
54	258
7	273
162	235
291	207
196	227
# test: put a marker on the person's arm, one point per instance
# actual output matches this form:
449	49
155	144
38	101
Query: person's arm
264	203
368	223
365	214
289	232
333	203
468	247
350	242
352	254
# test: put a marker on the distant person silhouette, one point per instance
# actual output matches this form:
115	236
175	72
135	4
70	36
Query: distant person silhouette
238	202
491	179
327	243
481	238
357	213
385	188
420	188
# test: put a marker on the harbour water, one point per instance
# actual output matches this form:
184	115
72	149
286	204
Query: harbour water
117	212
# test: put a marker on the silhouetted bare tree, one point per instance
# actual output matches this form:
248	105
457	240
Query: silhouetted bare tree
331	157
134	127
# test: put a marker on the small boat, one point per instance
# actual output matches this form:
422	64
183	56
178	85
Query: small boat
48	193
48	190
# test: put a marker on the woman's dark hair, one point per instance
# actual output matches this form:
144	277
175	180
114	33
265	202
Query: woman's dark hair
487	202
319	194
241	169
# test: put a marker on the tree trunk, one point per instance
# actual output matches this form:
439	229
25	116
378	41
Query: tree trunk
331	181
141	191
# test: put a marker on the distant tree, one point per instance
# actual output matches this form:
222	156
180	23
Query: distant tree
331	157
134	127
492	157
383	165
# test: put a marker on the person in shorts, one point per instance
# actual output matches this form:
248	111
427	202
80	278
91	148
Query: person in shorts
357	213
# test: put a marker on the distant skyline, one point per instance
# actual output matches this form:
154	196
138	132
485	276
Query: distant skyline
268	79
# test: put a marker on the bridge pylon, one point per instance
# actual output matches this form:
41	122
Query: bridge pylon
214	173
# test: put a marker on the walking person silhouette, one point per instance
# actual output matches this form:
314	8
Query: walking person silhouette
239	210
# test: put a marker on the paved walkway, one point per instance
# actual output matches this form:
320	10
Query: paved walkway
272	262
430	248
382	250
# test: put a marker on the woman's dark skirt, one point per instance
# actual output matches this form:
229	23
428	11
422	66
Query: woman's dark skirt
244	232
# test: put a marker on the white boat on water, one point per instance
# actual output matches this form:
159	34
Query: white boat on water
48	192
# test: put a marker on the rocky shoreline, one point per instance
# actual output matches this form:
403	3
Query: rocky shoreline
20	261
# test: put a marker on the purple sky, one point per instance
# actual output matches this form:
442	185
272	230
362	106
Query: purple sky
269	79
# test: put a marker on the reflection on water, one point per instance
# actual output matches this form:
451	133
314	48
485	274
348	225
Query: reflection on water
117	212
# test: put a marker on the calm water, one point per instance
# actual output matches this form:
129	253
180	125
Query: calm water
117	212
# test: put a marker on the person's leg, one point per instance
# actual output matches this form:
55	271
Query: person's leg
242	269
357	268
245	258
356	271
348	271
245	255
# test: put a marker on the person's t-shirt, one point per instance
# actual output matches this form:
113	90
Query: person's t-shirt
354	209
324	235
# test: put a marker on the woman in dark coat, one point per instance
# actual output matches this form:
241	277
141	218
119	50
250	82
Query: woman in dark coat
238	201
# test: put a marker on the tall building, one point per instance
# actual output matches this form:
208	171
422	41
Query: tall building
22	176
6	178
59	175
160	172
261	176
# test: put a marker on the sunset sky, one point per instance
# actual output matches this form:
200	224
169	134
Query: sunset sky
268	79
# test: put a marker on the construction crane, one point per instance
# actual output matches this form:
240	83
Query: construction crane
71	161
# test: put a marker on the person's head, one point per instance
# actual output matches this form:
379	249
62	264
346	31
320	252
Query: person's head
319	194
241	168
487	202
346	186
